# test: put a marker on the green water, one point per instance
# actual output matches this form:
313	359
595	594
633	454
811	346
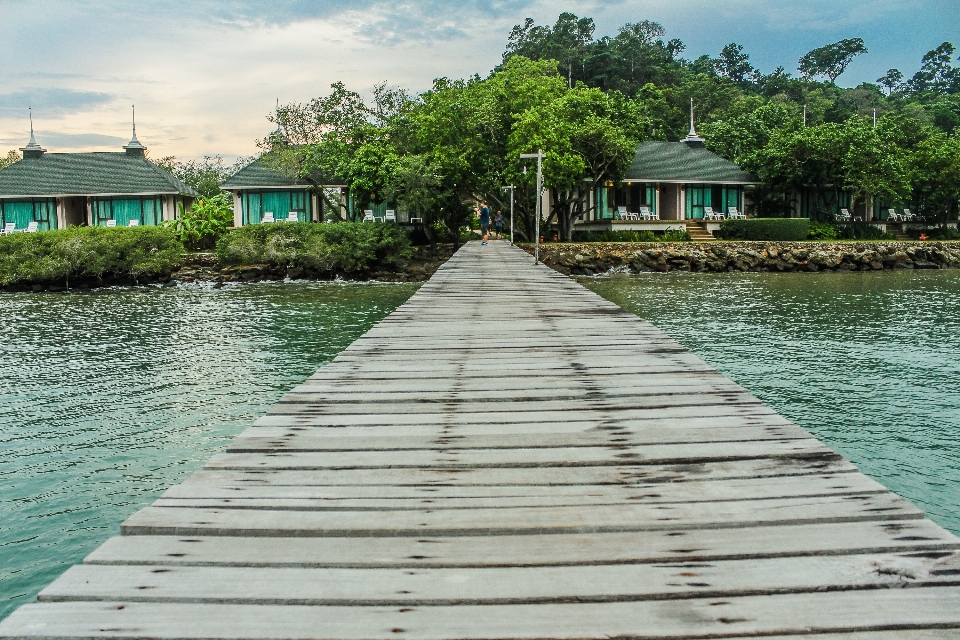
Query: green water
868	362
109	397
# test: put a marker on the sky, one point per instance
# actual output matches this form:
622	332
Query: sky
205	74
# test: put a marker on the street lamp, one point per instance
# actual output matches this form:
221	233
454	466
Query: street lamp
502	189
536	233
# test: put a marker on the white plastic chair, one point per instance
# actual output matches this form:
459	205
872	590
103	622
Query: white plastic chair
390	215
734	214
31	227
844	215
644	213
908	216
368	215
893	216
111	223
133	223
710	214
267	217
621	213
8	228
292	217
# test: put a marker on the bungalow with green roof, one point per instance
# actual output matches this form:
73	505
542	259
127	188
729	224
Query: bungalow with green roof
57	190
259	189
676	181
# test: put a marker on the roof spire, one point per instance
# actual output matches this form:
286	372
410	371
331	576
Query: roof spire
134	148
692	138
32	150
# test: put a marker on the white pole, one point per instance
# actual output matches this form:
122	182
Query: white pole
510	187
536	234
536	247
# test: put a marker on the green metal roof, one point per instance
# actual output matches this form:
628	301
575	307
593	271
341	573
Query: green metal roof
683	162
69	174
259	175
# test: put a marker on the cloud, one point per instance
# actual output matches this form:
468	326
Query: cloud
58	141
52	102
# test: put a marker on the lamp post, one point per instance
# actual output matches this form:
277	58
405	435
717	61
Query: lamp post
511	188
536	233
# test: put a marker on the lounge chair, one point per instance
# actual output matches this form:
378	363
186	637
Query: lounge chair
267	217
908	216
111	223
31	227
843	216
8	228
133	223
368	215
292	217
644	213
710	214
734	214
390	216
621	213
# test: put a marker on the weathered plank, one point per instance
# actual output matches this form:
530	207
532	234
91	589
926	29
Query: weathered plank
498	521
844	611
696	545
514	585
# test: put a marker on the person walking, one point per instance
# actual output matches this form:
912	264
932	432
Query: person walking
498	224
484	222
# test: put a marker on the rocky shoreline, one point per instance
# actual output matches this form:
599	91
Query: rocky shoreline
600	258
206	268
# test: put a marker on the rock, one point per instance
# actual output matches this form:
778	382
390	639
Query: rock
924	264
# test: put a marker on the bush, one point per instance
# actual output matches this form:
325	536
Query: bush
630	236
765	229
339	247
823	231
864	231
205	222
81	252
937	233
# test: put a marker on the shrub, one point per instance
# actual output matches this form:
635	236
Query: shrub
864	231
823	231
937	233
79	252
339	247
765	229
630	236
205	222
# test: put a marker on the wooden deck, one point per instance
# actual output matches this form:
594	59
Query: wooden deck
510	456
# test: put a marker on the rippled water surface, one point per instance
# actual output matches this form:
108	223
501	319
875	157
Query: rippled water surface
869	362
109	397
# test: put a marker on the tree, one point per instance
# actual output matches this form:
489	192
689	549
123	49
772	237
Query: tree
937	73
204	176
871	163
830	61
934	173
891	81
733	63
566	42
589	138
11	157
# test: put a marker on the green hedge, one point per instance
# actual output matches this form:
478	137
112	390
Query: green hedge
87	252
630	236
765	229
340	247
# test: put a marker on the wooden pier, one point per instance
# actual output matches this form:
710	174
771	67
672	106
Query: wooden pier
507	455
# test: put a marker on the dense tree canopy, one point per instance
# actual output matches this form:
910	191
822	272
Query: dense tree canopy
588	101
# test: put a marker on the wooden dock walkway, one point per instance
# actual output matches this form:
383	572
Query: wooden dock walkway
508	455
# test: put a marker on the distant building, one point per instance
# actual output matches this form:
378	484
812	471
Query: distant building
259	189
58	190
675	180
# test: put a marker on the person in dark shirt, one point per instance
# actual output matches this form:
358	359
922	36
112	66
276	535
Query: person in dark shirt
484	222
498	224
